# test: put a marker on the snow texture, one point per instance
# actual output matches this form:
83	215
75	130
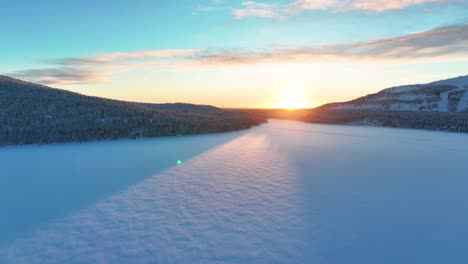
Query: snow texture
444	101
463	104
284	192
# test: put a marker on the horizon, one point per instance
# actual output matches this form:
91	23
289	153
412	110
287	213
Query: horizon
234	131
235	54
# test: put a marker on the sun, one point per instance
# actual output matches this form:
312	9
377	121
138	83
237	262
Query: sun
292	100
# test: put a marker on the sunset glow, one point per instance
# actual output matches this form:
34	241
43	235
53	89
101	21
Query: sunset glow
235	54
292	100
234	131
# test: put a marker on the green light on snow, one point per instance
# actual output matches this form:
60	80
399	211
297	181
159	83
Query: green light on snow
179	162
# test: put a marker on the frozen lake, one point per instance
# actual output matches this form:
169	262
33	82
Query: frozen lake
284	192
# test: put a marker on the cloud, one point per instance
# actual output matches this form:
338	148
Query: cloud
347	5
60	76
215	5
268	10
147	54
383	5
440	44
301	5
257	9
123	57
91	70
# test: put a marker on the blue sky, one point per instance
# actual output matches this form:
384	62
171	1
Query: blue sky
180	50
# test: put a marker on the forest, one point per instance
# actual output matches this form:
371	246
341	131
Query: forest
36	114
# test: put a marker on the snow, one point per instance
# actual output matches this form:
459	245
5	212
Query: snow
460	81
284	192
351	106
444	101
402	89
409	93
463	104
380	105
411	96
405	106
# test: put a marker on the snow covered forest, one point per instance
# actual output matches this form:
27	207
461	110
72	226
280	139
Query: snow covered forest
36	114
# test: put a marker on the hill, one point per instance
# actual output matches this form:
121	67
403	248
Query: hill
441	105
37	114
449	95
184	107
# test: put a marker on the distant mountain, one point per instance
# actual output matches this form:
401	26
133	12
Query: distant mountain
449	95
184	107
37	114
441	105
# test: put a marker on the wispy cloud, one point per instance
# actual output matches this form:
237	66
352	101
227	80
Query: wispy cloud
383	5
298	6
215	5
61	75
257	9
276	10
440	44
447	42
91	70
123	57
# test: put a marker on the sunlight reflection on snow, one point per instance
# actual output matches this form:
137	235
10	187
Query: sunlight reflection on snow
285	192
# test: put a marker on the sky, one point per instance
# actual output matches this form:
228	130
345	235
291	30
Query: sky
232	53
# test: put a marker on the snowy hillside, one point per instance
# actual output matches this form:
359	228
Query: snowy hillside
449	95
37	114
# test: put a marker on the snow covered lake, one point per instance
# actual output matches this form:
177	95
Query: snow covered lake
283	192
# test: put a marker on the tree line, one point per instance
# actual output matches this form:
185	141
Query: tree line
36	114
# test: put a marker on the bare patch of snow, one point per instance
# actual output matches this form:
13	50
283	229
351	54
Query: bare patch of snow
463	104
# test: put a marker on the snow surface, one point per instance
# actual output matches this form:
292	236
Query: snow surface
284	192
444	101
463	104
461	83
379	105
